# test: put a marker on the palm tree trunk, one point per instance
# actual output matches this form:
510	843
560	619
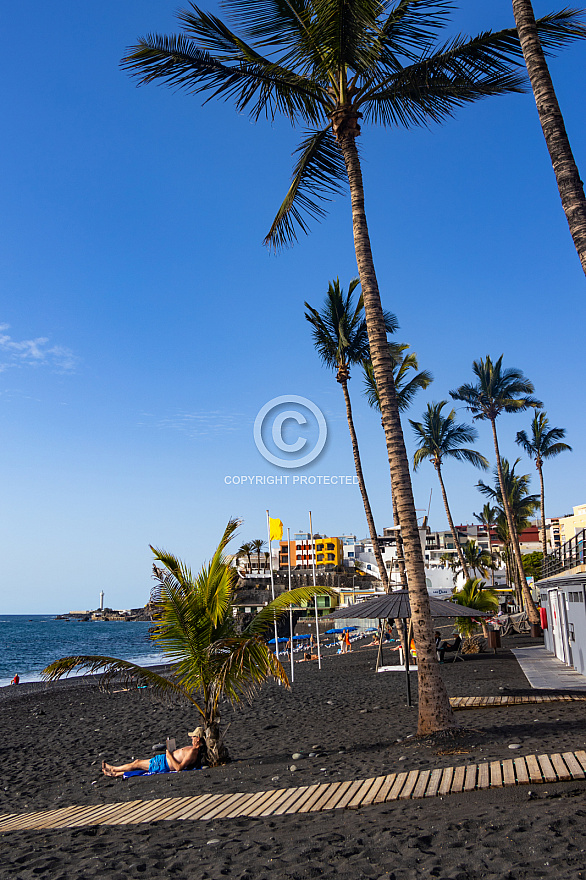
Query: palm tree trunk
435	712
217	753
398	537
528	598
365	500
566	172
543	532
451	523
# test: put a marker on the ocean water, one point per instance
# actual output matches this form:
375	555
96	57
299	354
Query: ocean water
28	643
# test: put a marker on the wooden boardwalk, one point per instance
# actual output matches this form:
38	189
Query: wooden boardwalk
408	785
493	702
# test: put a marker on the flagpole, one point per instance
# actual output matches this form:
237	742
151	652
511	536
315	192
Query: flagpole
272	582
315	597
290	609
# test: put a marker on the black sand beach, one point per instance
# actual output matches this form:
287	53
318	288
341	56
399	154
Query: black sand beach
356	724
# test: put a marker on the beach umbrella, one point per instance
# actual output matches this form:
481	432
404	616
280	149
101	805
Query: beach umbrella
395	606
281	640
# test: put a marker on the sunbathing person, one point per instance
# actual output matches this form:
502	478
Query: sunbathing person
180	759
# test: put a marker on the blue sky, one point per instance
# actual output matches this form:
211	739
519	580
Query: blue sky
144	325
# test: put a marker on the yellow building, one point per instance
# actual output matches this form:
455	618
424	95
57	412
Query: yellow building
328	552
571	525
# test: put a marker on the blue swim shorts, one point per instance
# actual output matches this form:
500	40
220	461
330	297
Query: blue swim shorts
158	764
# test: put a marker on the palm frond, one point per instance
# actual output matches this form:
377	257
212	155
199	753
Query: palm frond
431	90
319	170
119	672
260	87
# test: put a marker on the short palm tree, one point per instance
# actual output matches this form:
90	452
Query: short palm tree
258	546
439	437
544	443
495	391
407	387
473	595
196	631
566	172
326	65
488	518
521	506
341	340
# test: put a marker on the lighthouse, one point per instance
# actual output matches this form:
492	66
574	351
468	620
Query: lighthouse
101	600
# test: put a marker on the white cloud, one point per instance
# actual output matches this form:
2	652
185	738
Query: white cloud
34	352
197	424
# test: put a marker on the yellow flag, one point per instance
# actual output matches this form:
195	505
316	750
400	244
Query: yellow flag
275	529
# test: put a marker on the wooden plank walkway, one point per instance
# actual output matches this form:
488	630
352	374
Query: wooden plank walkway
408	785
494	702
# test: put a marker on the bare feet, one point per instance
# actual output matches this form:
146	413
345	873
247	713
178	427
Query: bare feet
107	770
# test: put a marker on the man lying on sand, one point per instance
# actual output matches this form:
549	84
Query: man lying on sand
180	759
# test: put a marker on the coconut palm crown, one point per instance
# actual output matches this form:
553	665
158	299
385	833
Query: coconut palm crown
195	630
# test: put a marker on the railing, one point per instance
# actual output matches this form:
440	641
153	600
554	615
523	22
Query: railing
568	556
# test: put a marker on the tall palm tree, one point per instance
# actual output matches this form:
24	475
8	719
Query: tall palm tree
341	340
195	629
566	172
499	390
439	437
543	443
521	506
326	65
488	518
407	387
258	546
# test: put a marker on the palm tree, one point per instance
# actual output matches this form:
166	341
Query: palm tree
566	172
327	65
440	437
479	561
521	506
258	545
543	443
473	595
196	631
246	550
488	518
340	337
499	390
407	387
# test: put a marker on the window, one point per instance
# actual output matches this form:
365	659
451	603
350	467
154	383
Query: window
331	547
319	546
331	556
350	556
320	557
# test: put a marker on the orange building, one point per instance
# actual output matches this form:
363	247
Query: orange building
329	552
